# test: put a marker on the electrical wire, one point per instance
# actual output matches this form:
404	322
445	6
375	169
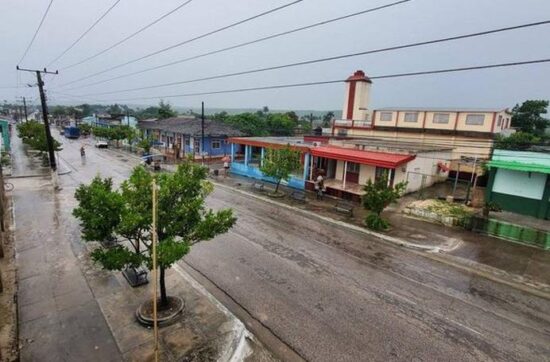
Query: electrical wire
307	84
86	32
308	62
36	32
240	45
240	22
129	36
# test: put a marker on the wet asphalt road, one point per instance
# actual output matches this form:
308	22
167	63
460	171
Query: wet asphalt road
334	295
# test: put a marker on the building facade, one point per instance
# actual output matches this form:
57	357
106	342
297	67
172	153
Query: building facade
469	132
519	182
345	165
182	136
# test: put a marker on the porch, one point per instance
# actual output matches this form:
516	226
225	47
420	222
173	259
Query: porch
249	162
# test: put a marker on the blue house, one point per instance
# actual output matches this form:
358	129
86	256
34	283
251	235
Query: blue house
182	136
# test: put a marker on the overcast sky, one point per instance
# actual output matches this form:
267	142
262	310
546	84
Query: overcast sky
416	20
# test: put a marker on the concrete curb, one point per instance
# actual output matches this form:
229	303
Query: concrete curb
237	347
494	274
391	239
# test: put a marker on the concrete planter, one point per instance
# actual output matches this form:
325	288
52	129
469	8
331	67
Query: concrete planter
432	216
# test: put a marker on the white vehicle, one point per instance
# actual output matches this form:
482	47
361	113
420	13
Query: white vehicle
101	144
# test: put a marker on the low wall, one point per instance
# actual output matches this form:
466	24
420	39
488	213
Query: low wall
432	216
508	231
254	172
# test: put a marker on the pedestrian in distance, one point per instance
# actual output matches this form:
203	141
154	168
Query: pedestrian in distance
225	160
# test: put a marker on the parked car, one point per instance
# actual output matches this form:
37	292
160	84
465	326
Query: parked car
101	144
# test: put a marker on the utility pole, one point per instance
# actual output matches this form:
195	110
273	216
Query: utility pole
25	108
202	132
49	138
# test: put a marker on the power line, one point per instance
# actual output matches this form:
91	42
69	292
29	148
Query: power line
36	32
86	32
240	22
306	84
240	45
308	62
129	36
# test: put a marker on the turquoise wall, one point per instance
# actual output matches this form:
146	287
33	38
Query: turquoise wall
5	129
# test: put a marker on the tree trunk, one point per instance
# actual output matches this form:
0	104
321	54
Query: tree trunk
163	296
277	186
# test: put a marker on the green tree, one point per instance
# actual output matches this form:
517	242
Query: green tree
33	134
165	110
517	141
527	117
99	209
280	163
183	219
327	119
379	195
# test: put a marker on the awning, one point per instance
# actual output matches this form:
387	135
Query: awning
520	166
380	159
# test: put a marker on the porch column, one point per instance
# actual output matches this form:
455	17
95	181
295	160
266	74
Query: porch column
306	165
345	172
232	152
311	168
246	151
262	157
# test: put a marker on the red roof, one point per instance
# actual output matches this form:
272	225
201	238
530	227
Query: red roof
381	159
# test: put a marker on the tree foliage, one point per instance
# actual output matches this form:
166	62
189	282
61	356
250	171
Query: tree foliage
33	134
527	117
261	123
183	219
280	163
165	110
379	195
517	141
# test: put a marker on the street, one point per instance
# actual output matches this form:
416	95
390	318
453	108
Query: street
306	282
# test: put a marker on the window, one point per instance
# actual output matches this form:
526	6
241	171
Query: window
386	116
442	118
353	167
380	172
187	141
216	144
411	117
499	122
475	119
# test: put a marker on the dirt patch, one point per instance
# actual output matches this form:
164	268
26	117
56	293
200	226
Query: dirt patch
8	308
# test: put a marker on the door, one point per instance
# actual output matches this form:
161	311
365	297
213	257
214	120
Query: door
352	172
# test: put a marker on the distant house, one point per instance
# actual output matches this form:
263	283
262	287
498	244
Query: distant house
107	120
5	130
181	136
519	182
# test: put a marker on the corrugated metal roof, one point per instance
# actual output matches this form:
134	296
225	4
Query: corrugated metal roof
382	159
521	161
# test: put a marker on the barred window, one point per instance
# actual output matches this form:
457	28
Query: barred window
475	119
386	116
411	116
442	118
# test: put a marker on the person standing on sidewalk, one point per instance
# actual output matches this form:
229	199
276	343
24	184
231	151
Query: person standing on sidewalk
319	186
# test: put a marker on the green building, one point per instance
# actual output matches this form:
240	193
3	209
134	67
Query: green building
5	130
519	182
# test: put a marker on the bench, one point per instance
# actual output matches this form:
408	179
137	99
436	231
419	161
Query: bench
299	196
135	276
344	208
258	186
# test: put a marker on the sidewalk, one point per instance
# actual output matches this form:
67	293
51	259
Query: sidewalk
506	260
72	310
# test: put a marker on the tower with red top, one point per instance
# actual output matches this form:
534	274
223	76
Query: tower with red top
357	97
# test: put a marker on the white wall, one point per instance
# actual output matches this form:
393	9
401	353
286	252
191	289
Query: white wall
517	183
425	164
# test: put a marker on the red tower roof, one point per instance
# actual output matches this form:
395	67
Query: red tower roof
359	76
